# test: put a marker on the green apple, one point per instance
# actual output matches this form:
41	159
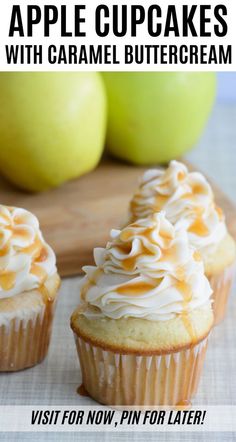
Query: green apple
154	117
52	126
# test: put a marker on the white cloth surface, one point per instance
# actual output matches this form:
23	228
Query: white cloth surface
55	381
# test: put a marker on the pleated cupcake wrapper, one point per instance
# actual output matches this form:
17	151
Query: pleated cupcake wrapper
24	342
221	285
118	379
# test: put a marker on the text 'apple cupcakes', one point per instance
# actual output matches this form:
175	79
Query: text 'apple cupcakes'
188	201
144	317
29	284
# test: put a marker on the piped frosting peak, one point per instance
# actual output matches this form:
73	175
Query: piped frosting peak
26	261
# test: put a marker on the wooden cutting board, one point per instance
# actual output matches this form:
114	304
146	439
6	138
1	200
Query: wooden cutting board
78	216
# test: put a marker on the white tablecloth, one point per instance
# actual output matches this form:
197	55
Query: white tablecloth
55	381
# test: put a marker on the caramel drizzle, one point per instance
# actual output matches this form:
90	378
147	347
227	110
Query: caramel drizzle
186	292
220	213
160	201
181	175
129	233
5	217
136	288
157	206
7	280
5	250
81	390
129	263
188	326
198	227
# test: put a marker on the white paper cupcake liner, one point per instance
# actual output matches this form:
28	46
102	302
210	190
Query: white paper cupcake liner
127	379
24	340
221	285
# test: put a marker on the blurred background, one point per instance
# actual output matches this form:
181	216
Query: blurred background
54	126
227	87
215	153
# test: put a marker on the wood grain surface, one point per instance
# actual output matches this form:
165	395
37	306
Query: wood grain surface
78	216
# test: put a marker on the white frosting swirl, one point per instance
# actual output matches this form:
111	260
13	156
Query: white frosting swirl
26	261
188	201
147	270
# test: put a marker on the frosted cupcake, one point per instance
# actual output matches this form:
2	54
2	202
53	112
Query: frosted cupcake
28	290
144	317
188	201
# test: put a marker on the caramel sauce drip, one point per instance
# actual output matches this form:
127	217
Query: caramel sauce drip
186	196
181	175
167	254
220	213
188	325
48	301
134	205
20	219
84	289
166	235
34	249
20	232
199	228
197	256
38	271
124	247
126	235
180	273
7	280
5	217
40	254
129	263
45	293
199	211
138	288
185	290
184	404
4	251
160	200
198	188
82	391
43	255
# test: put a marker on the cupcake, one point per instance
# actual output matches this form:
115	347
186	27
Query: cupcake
188	201
29	284
144	317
